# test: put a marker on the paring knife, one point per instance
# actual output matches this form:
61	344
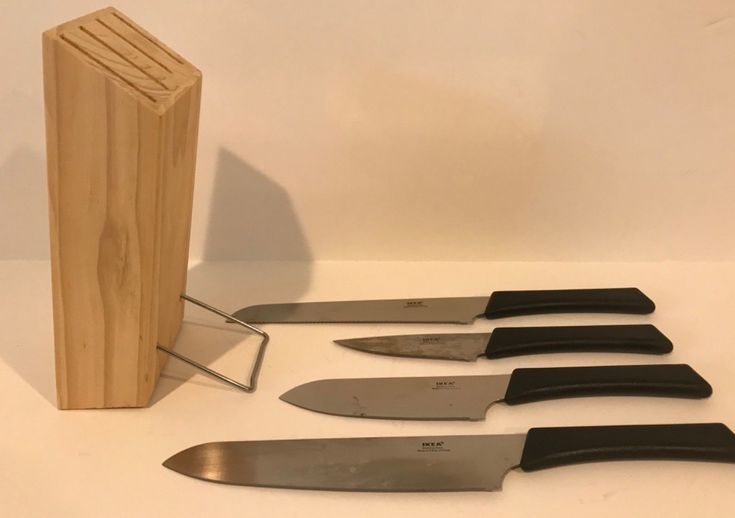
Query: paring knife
518	341
460	310
443	463
468	397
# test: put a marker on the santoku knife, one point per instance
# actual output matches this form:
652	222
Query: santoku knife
468	397
517	341
443	463
460	310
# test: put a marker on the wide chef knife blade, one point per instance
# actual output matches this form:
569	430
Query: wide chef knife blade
443	463
459	310
516	341
468	397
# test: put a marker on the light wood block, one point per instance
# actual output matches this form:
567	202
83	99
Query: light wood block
122	114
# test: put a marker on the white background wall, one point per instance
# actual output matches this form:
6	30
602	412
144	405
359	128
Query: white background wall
425	130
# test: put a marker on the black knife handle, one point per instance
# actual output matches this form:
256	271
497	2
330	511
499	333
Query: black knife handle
551	447
606	300
527	385
518	341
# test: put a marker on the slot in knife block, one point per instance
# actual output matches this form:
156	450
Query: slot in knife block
122	115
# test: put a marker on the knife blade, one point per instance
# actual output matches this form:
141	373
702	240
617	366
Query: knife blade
469	397
516	341
443	463
459	310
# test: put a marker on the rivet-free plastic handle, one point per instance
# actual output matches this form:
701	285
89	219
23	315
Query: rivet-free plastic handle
605	300
527	385
550	447
518	341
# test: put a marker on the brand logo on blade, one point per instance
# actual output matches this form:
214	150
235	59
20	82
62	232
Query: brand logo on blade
430	340
445	385
432	447
414	304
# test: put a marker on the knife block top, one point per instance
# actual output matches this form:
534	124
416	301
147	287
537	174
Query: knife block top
122	115
128	55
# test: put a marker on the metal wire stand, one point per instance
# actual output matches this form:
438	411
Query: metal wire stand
254	372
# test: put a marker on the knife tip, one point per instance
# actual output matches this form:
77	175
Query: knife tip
288	396
346	342
186	462
171	463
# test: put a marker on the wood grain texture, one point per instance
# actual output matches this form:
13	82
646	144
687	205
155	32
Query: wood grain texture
122	113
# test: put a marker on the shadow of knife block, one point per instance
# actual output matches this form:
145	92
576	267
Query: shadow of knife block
122	115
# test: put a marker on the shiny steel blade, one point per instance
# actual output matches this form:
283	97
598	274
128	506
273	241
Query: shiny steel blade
447	397
464	346
444	463
454	310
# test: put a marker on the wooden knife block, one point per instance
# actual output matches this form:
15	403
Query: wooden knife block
122	115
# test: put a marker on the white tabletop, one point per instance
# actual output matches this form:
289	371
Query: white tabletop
108	462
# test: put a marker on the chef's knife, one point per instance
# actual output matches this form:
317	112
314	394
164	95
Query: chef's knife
443	463
460	310
518	341
468	397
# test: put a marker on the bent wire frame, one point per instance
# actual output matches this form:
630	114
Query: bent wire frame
253	379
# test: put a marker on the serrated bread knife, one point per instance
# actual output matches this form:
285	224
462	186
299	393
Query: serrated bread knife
468	397
459	310
517	341
443	463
